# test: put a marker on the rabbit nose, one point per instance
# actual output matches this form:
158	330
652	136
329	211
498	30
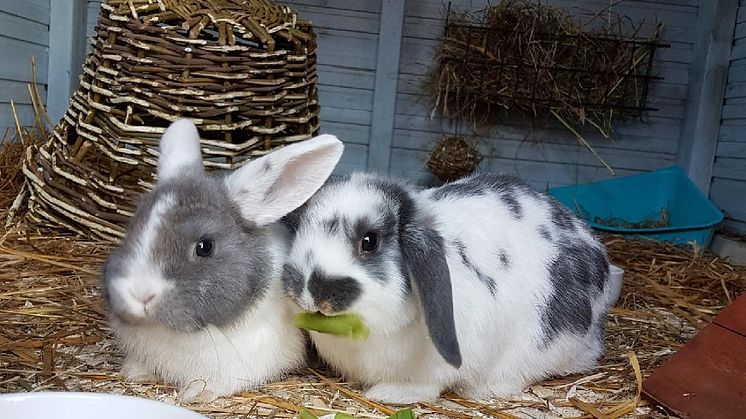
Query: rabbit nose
143	297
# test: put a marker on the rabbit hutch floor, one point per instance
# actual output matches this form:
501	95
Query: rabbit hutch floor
53	334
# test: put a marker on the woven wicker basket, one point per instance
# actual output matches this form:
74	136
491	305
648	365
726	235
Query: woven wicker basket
243	70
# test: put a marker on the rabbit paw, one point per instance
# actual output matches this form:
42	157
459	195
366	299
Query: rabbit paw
396	393
137	372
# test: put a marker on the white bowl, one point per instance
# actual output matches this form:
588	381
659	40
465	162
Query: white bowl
70	405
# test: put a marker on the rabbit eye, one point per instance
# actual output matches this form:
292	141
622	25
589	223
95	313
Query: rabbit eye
369	242
204	248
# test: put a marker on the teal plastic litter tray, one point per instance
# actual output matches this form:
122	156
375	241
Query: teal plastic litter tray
662	205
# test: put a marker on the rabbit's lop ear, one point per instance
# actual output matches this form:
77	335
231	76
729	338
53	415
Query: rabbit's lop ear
425	259
179	152
268	188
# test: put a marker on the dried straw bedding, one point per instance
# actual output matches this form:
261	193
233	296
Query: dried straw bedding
53	333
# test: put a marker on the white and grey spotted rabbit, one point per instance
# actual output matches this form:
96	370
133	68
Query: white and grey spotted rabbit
481	286
193	292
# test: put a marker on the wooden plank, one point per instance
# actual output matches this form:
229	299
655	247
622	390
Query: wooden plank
22	29
16	64
735	89
707	376
18	91
348	133
730	168
733	109
33	10
354	158
671	15
25	116
410	164
651	130
709	74
520	134
345	97
66	53
733	132
331	75
734	226
567	152
354	49
733	317
340	19
347	116
91	20
387	75
731	149
373	6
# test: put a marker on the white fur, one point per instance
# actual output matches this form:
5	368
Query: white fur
179	150
500	336
143	283
262	344
284	178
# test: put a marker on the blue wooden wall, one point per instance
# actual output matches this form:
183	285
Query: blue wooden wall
24	33
728	189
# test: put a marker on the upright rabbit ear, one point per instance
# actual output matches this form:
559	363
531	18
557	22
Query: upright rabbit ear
425	259
179	152
268	188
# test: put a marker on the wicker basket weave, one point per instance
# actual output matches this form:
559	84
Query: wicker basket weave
244	71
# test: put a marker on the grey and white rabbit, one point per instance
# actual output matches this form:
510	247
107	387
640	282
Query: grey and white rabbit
193	291
481	286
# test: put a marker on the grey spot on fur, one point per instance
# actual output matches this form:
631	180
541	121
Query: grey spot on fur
337	292
545	233
292	281
208	290
332	225
505	260
513	205
456	190
488	281
292	220
578	273
507	188
561	216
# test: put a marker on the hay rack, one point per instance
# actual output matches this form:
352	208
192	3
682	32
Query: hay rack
535	60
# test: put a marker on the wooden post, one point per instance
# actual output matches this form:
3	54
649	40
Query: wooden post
387	75
67	40
707	82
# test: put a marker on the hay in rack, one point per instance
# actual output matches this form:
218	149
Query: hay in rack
535	60
244	71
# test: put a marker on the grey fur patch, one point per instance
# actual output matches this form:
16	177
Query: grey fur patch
578	274
507	189
488	281
456	190
332	225
515	207
561	216
336	292
545	233
207	290
423	255
292	281
505	260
